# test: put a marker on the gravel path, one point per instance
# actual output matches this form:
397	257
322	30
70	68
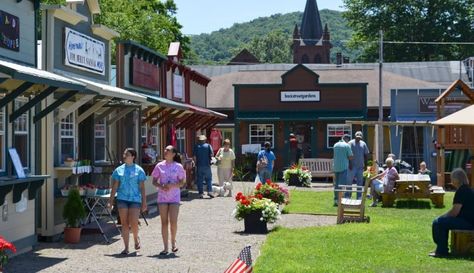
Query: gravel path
209	239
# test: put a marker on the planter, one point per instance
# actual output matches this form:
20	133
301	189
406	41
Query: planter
294	180
72	235
253	224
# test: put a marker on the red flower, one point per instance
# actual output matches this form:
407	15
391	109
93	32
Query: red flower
268	181
259	185
259	196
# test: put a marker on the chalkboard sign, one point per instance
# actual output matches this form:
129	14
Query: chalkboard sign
17	163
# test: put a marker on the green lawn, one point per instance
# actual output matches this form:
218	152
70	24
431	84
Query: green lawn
396	240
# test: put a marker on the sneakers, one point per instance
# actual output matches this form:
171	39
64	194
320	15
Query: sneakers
210	194
434	254
201	196
374	204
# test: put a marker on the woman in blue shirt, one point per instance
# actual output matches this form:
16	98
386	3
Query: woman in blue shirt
128	181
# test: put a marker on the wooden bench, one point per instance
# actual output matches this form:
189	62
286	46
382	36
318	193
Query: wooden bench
436	196
462	242
319	167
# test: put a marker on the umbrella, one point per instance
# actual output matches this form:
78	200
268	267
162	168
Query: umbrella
463	117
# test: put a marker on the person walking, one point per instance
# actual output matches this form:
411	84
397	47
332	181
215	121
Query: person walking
128	181
169	176
202	158
225	168
341	160
460	216
359	160
265	162
293	143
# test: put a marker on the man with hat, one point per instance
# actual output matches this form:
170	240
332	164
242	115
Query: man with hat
359	161
342	155
202	157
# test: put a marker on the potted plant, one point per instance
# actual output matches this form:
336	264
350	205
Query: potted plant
297	175
73	213
256	212
272	191
4	247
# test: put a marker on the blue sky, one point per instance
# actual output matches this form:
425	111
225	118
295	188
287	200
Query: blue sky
205	16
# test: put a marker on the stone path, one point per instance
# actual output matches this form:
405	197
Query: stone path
209	239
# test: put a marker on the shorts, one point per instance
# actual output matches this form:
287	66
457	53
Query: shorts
122	204
378	186
169	203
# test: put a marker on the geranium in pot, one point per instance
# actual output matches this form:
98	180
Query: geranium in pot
256	212
272	191
297	175
5	247
73	213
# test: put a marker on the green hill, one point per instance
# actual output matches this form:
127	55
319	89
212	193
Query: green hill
217	46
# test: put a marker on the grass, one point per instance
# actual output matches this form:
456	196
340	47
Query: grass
396	240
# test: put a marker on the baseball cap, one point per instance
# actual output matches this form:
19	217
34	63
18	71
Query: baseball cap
346	136
267	144
202	137
359	134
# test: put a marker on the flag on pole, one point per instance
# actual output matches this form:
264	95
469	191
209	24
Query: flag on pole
243	263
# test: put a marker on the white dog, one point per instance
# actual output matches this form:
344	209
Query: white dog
221	191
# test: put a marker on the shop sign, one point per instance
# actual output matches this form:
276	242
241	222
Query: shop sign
178	86
144	74
84	52
428	105
9	31
303	96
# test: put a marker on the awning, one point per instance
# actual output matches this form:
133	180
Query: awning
164	102
463	117
19	79
415	118
37	76
114	92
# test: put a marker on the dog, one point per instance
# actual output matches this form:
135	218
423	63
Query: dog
221	191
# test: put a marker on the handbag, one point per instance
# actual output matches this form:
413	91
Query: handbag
262	163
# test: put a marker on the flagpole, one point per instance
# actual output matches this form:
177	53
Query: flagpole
379	130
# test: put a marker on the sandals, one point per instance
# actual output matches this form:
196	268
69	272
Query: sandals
124	252
163	253
174	249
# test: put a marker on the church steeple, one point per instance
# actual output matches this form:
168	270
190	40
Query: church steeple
311	29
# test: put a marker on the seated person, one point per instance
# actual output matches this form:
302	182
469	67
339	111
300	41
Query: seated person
423	169
384	182
460	216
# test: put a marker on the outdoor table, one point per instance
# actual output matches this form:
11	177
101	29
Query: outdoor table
97	207
413	186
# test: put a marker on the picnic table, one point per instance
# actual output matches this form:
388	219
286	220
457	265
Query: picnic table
414	186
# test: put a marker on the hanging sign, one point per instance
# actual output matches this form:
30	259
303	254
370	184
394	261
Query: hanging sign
84	52
9	31
303	96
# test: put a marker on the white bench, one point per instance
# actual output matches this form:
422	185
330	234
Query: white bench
319	167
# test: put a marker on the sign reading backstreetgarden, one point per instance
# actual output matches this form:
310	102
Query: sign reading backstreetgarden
84	52
299	96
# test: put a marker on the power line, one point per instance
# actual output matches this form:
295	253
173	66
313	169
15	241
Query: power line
391	42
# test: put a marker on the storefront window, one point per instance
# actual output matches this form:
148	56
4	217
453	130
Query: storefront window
335	133
260	133
2	139
152	138
20	128
67	136
181	140
100	134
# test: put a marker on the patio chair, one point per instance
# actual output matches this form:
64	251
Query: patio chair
352	210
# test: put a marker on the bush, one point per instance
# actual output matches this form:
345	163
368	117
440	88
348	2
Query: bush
73	209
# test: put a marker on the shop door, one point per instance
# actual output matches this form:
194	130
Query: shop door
302	132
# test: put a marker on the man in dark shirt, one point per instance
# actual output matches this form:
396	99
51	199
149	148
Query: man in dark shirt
202	158
460	216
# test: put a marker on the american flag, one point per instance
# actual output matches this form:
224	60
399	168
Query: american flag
243	263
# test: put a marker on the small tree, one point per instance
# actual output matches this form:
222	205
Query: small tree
73	209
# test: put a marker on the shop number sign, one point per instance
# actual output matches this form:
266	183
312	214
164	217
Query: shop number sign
9	31
84	52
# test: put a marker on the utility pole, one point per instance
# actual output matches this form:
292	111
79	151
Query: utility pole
379	130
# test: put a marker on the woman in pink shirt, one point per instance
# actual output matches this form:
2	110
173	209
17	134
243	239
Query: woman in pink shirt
389	176
169	176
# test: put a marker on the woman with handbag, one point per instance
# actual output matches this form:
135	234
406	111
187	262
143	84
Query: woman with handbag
225	164
265	162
